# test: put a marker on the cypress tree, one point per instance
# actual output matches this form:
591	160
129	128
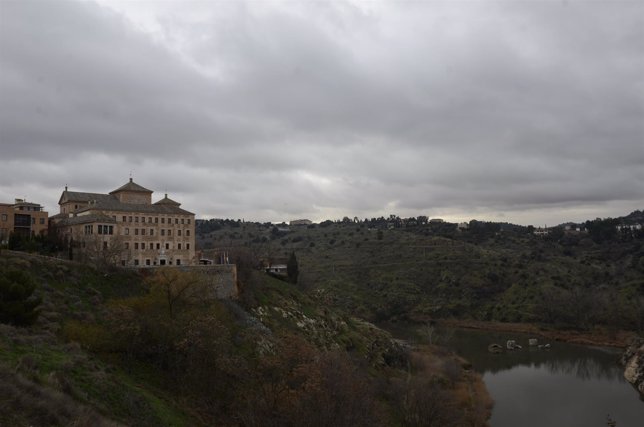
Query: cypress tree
292	268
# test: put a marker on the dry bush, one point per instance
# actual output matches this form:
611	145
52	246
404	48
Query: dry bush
298	386
91	336
425	403
25	403
336	393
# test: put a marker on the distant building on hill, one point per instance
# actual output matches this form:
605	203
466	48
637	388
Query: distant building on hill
126	228
541	231
631	227
23	218
574	229
301	222
279	269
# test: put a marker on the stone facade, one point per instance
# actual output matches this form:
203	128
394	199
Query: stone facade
125	228
22	217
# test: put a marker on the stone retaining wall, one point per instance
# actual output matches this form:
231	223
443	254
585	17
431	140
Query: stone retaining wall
220	278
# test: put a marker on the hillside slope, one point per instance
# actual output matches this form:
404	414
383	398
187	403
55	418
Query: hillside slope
107	349
491	272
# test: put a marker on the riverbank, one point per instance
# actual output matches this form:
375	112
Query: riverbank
458	394
596	337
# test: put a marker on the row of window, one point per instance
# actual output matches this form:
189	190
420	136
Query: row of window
164	232
142	246
100	228
156	220
148	262
5	218
105	229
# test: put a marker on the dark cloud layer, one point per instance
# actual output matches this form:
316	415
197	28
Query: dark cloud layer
530	111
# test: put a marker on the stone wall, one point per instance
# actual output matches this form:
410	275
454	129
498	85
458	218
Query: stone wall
220	280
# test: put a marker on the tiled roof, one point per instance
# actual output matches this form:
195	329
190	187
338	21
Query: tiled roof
85	219
167	201
76	196
98	202
113	204
131	186
26	204
59	215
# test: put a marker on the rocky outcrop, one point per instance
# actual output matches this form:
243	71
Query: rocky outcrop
633	362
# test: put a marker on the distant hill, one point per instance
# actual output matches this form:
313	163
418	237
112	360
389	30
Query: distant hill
489	271
634	217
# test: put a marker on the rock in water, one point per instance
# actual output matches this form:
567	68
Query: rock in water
494	348
633	362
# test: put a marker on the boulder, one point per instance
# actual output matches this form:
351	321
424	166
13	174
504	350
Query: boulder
633	362
495	348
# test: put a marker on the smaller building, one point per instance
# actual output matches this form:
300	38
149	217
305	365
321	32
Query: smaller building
630	227
541	231
23	218
279	269
574	229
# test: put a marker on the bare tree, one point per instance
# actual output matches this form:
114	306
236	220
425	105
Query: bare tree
175	285
99	250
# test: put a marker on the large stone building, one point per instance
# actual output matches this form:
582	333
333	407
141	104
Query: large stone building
124	227
22	217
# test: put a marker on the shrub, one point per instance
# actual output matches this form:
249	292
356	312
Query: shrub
18	305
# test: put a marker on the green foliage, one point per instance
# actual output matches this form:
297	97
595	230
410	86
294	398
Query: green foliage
42	244
602	230
491	271
18	305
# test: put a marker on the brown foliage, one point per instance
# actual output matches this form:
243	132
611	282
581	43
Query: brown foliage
300	386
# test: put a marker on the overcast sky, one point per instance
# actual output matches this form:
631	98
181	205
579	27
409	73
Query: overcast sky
530	112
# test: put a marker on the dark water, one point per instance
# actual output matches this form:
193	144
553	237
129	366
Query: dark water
567	386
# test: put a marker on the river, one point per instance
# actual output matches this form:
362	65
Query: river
567	386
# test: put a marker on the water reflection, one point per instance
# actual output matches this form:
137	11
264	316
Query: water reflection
569	385
566	386
563	359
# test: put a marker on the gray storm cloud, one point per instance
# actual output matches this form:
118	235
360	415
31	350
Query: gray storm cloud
273	110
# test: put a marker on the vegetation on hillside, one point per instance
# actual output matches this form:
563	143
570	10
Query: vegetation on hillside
392	269
144	349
